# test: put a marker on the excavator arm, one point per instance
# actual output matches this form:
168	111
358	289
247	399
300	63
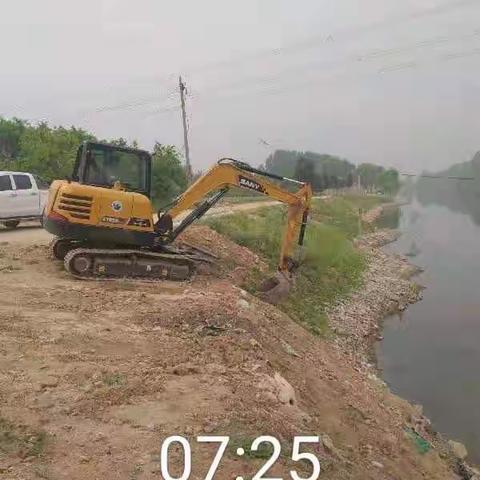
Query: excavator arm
211	186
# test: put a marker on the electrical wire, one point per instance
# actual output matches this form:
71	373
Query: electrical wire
136	103
306	44
372	55
312	42
334	38
424	175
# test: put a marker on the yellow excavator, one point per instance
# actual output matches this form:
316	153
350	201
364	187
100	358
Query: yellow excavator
104	226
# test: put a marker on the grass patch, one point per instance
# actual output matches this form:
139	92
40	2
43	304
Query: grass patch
15	440
343	212
331	266
115	380
264	451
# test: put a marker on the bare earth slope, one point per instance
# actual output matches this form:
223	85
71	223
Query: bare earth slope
94	375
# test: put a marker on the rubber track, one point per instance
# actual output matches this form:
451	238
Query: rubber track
178	259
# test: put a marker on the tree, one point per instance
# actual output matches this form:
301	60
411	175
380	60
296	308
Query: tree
285	162
10	134
326	181
349	179
389	181
282	162
50	152
369	174
121	142
305	170
168	175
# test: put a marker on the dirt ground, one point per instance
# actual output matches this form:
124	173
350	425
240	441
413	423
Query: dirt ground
95	375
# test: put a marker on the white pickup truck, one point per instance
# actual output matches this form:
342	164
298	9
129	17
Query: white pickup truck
22	198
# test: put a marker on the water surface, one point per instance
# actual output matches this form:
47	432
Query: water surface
431	353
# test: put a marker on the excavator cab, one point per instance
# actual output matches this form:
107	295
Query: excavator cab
110	166
105	203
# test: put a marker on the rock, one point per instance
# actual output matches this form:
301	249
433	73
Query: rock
84	459
458	449
472	472
289	349
277	388
242	303
47	382
328	443
418	408
286	393
377	465
210	427
329	446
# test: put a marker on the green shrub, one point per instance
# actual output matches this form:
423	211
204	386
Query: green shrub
330	266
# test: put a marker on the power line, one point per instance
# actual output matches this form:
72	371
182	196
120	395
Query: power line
136	103
440	59
325	77
334	38
425	175
355	59
159	111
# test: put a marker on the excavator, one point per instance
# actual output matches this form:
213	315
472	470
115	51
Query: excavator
105	229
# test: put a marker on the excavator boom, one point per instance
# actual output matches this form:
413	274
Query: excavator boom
228	173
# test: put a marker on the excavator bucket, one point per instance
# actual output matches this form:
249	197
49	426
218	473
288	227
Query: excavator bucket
275	289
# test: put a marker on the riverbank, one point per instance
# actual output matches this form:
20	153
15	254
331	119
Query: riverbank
371	215
387	288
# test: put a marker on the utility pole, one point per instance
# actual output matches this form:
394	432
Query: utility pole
188	166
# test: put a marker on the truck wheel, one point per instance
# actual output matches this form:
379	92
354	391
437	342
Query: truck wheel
11	223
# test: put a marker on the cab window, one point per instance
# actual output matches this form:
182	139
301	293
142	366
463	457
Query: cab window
5	183
22	182
106	166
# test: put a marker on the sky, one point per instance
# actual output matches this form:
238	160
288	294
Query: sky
383	81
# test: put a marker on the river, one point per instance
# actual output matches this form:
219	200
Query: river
430	353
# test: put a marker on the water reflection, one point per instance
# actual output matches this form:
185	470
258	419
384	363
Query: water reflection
461	196
431	354
390	218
